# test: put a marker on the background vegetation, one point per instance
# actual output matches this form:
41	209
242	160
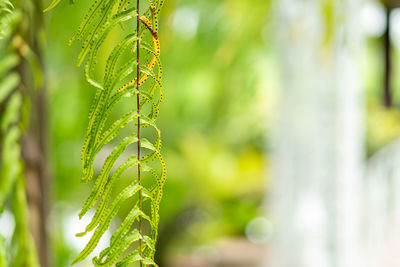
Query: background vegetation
221	82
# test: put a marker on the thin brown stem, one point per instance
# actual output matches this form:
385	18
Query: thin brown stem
387	93
138	127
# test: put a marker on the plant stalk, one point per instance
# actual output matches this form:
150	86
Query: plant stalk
138	127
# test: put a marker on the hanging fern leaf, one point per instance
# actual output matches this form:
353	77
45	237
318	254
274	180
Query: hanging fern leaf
132	71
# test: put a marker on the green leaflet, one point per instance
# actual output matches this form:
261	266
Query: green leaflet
134	257
92	14
144	89
6	14
7	63
7	85
53	4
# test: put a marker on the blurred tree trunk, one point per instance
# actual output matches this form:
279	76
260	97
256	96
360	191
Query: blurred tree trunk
34	142
318	153
34	151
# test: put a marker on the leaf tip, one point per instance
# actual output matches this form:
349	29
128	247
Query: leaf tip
80	234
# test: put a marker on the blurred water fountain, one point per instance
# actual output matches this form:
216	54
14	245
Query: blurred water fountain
318	143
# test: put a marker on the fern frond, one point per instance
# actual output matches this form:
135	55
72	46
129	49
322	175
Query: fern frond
145	88
10	104
12	186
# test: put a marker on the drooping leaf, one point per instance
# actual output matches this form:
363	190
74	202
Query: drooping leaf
122	63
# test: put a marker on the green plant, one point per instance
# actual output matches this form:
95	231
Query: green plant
131	55
20	250
6	14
